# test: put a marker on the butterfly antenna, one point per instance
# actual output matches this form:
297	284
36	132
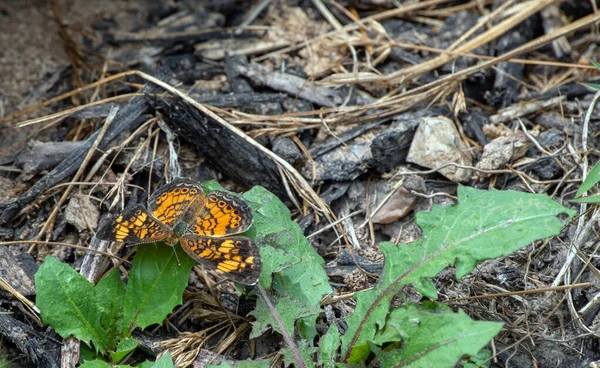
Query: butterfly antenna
176	256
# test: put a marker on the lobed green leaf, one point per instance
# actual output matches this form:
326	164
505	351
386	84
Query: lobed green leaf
304	281
484	225
328	346
431	335
109	293
287	308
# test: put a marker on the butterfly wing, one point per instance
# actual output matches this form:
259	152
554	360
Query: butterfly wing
134	226
221	214
235	258
171	201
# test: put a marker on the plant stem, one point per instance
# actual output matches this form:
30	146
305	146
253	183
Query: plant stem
286	336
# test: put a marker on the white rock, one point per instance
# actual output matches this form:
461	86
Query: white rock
437	143
502	150
82	213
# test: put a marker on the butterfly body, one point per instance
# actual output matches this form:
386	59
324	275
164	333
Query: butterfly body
204	225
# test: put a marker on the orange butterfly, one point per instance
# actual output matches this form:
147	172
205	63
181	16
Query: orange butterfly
203	225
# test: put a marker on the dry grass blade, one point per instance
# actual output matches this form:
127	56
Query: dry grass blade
293	176
48	224
28	303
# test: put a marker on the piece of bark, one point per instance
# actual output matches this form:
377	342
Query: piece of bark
343	163
18	270
340	139
570	91
285	148
243	101
237	83
473	123
552	20
43	156
523	109
390	148
233	156
508	75
189	71
126	119
292	85
546	168
7	233
42	351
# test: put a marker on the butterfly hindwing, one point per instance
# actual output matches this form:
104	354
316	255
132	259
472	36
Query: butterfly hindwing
236	258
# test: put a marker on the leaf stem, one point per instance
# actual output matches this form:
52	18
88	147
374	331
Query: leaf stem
286	336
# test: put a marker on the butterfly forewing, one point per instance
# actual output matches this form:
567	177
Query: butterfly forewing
235	258
170	202
134	226
222	214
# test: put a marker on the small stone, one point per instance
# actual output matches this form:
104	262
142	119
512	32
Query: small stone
437	143
82	213
503	150
396	207
493	131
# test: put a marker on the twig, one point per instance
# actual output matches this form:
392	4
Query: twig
174	169
252	15
48	224
522	292
581	234
286	336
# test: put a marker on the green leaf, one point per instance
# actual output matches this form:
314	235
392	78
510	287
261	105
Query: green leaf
68	303
288	310
592	85
86	353
590	199
155	286
243	364
430	336
307	353
145	364
481	359
328	346
592	179
594	63
109	293
124	347
305	281
482	226
165	361
274	261
95	364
